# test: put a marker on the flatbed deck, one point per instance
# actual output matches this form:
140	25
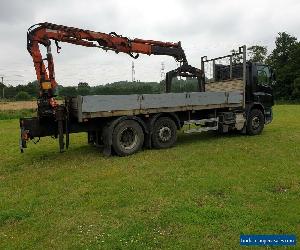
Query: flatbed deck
93	106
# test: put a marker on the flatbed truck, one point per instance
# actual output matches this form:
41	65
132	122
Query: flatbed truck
235	95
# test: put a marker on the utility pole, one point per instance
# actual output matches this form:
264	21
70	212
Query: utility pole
132	72
162	72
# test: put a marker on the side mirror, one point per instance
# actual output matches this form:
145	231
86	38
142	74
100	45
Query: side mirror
273	77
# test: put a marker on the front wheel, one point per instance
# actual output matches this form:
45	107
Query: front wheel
255	122
164	133
127	138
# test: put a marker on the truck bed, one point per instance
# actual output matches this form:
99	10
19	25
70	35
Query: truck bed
94	106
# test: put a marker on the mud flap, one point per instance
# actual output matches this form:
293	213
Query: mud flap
107	139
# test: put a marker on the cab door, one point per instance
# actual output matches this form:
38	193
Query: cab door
262	90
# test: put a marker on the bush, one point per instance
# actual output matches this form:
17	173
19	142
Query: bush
23	96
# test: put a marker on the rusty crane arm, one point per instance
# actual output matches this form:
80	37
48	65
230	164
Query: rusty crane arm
45	33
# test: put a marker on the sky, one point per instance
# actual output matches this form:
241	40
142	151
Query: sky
205	27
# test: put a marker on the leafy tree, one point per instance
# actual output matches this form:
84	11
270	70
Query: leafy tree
32	88
67	91
83	91
83	88
284	59
257	53
83	84
23	96
10	92
296	88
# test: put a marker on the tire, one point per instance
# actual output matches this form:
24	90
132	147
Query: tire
255	122
164	134
127	138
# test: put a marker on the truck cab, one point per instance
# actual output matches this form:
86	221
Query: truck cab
258	82
258	87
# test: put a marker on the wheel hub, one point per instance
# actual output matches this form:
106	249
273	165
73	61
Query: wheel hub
128	138
255	122
165	134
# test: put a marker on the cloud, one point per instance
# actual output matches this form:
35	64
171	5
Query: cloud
205	27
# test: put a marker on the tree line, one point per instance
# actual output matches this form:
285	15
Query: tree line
284	59
30	91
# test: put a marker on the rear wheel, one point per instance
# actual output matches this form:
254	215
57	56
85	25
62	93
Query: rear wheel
255	122
164	133
128	138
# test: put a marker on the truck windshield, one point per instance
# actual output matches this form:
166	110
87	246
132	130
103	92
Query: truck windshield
263	75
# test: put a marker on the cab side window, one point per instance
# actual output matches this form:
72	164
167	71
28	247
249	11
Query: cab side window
263	75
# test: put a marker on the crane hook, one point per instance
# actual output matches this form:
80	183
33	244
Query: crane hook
134	56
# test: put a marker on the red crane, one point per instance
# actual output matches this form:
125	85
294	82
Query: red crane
43	33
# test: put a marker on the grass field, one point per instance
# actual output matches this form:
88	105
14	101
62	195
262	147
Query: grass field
201	194
16	114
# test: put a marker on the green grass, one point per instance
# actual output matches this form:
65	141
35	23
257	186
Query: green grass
201	194
16	114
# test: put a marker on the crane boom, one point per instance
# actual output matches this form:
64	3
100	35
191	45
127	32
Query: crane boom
44	33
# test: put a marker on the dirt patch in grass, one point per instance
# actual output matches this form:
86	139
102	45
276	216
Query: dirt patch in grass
18	105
